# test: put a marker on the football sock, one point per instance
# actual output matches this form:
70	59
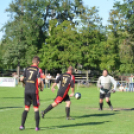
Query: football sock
37	118
67	109
109	103
48	109
24	116
101	106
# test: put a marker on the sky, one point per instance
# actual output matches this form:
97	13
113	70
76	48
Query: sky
104	7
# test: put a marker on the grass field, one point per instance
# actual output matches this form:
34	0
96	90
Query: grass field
88	120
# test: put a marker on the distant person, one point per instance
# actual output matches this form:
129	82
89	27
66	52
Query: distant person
48	77
122	88
67	81
131	82
32	79
44	80
58	84
127	84
105	83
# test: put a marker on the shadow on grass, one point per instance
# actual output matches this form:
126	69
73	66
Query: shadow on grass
12	97
72	125
10	107
83	116
97	115
79	124
123	109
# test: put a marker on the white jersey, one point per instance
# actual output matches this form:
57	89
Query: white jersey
106	82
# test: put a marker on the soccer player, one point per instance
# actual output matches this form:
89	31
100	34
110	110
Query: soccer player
105	83
32	79
67	81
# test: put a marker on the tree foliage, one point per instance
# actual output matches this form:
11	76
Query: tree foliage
65	32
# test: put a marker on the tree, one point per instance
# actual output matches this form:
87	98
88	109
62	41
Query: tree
28	27
24	34
62	48
126	34
91	38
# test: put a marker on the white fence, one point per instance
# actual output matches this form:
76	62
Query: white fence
7	82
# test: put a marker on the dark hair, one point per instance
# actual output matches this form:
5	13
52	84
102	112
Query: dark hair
36	59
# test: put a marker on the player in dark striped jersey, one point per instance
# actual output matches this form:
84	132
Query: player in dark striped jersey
67	81
32	79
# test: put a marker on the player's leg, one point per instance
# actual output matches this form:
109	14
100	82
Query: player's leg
109	102
129	87
102	96
25	112
51	106
24	116
67	108
37	118
58	100
35	99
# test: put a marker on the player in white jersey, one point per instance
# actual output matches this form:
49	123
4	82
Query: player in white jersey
105	83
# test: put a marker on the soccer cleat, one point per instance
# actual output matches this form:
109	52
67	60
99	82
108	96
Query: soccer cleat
111	108
37	129
100	109
22	128
70	118
42	114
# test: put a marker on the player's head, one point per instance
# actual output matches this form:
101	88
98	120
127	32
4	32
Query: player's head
36	60
105	73
70	69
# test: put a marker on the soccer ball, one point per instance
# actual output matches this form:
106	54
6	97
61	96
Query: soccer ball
77	95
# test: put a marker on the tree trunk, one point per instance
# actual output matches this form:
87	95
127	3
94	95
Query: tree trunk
18	72
87	74
45	71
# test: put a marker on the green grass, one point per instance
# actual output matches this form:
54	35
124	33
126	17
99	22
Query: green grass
88	120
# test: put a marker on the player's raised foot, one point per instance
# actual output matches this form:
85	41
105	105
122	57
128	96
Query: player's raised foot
42	114
37	129
21	128
70	118
111	108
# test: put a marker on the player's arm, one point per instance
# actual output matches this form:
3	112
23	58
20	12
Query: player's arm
53	87
57	81
39	80
72	84
41	85
22	78
73	91
114	83
99	83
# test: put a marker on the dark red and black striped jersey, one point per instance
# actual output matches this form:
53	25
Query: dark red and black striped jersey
31	74
66	81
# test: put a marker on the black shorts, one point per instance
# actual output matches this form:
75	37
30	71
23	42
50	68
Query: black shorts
31	98
59	99
102	96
